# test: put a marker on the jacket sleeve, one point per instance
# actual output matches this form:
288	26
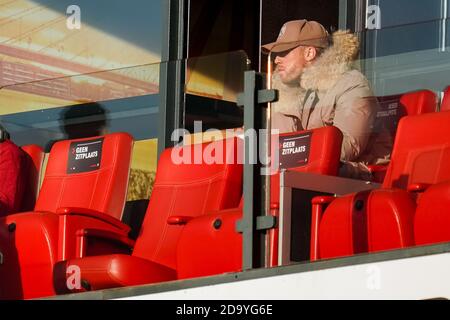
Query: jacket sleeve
355	114
11	162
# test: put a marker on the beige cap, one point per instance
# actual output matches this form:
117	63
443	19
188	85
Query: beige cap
299	32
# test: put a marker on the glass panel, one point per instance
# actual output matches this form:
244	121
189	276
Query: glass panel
125	100
212	86
364	83
49	107
60	37
276	13
392	40
223	26
403	65
402	12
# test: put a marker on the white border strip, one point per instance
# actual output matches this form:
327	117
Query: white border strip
414	278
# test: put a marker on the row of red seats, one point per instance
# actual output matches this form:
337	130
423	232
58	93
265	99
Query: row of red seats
412	208
414	103
206	250
200	234
408	210
182	196
77	216
74	220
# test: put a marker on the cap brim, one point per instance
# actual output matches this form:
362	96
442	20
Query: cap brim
278	47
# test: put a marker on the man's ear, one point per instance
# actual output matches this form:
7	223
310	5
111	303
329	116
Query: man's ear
310	53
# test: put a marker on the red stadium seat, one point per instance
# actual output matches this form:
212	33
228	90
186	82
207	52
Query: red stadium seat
83	193
210	245
393	109
181	193
35	161
445	106
383	219
432	219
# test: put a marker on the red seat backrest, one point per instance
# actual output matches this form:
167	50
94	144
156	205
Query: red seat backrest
418	102
445	106
324	157
101	188
35	159
394	108
325	151
421	151
188	190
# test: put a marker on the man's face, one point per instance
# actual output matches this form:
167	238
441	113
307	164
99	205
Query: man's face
290	65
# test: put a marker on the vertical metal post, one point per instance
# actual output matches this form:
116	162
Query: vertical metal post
255	222
444	10
252	189
172	71
360	14
268	146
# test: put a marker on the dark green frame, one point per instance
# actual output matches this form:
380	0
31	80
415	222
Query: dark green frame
172	70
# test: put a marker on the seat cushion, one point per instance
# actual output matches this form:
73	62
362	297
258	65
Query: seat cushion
365	222
113	271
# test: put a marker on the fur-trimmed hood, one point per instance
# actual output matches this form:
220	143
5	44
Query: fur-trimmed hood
321	75
333	63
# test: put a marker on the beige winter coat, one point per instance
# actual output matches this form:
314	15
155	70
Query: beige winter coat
332	93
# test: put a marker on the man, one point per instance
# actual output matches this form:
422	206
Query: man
319	87
12	175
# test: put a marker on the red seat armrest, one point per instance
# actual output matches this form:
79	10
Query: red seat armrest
318	204
377	168
322	200
96	215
